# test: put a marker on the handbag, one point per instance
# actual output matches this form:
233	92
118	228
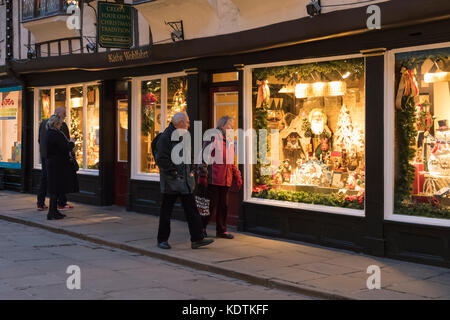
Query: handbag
72	160
202	201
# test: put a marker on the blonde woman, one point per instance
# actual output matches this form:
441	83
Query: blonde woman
61	177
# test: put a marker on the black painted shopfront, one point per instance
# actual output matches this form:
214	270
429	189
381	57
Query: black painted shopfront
198	60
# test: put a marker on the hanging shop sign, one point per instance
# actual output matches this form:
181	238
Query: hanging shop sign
115	25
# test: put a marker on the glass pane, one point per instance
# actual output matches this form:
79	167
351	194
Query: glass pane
122	134
150	122
93	127
422	144
10	129
176	96
226	104
44	105
226	76
60	98
319	112
76	122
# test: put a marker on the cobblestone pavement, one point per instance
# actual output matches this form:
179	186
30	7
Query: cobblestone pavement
33	265
293	266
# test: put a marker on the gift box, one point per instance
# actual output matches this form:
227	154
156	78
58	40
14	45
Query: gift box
419	179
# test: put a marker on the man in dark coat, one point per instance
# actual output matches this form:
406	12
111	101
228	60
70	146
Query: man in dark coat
61	175
42	193
176	181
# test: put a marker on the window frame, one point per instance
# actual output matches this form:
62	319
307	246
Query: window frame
248	146
136	104
389	136
85	85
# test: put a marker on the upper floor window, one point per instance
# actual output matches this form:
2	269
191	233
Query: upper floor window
35	9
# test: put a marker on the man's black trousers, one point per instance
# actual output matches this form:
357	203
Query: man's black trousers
190	210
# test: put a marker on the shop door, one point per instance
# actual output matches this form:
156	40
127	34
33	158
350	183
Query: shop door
121	163
226	103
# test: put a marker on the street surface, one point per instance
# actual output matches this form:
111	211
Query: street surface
34	262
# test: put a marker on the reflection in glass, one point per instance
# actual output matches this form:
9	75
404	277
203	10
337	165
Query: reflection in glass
320	116
176	96
123	130
422	144
76	122
150	123
93	128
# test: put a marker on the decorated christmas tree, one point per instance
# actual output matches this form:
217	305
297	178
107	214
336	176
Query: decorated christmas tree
344	130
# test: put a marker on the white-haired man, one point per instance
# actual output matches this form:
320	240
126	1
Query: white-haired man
176	181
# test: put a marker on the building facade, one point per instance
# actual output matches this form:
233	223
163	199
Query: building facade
361	157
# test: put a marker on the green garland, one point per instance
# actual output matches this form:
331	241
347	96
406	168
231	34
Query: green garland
260	121
333	199
406	135
307	72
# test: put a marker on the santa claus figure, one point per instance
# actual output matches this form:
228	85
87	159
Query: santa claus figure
321	138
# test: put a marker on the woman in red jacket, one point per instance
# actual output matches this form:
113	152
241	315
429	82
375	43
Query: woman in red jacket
219	175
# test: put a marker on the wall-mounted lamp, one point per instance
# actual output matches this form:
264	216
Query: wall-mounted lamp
31	53
178	31
91	46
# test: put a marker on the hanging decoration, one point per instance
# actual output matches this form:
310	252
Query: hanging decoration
407	87
263	93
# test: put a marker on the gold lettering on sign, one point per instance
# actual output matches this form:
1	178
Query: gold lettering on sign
128	56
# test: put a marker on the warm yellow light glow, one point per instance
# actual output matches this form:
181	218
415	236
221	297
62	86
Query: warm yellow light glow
77	102
318	89
336	88
301	90
287	89
346	75
437	77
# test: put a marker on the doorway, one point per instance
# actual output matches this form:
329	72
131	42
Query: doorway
121	159
225	102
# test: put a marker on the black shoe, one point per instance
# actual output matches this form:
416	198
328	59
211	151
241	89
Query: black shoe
59	214
225	235
201	243
164	245
54	216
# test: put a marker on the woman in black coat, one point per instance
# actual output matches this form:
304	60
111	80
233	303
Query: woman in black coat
62	177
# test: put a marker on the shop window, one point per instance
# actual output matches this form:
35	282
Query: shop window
176	96
150	123
422	134
159	99
82	104
318	110
10	128
93	128
76	122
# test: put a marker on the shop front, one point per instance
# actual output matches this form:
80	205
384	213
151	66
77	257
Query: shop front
356	125
11	138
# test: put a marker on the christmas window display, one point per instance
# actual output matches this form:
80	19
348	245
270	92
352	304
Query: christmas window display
10	128
150	123
422	134
319	112
76	122
176	96
93	127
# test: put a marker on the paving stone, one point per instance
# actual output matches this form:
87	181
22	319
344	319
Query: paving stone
383	294
60	292
422	288
339	283
291	274
148	294
13	294
443	279
327	269
35	280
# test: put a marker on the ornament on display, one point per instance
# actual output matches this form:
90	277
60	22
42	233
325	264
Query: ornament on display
263	96
407	86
